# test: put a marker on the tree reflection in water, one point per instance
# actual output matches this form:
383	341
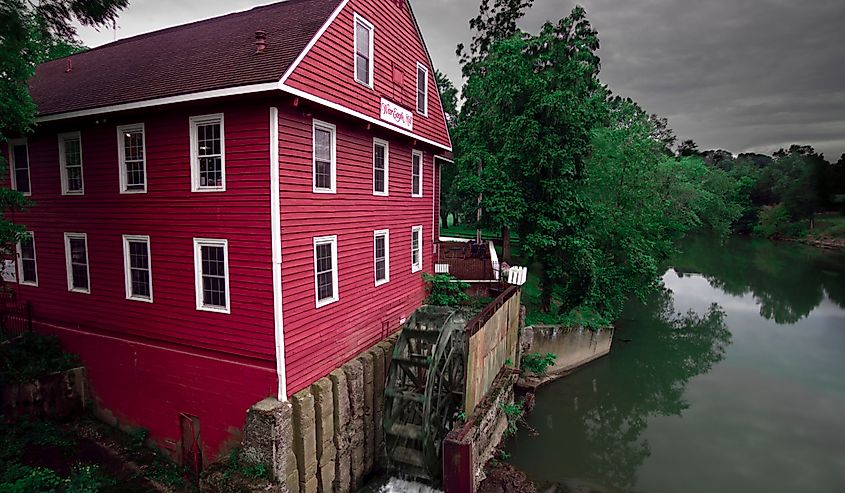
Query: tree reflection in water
592	423
782	277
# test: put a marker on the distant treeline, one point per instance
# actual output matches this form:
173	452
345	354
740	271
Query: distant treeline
781	194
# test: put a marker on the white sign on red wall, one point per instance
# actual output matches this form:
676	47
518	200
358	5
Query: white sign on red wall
397	115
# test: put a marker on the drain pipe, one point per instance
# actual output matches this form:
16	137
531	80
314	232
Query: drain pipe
276	242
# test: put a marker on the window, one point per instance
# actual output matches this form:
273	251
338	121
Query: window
416	174
70	157
325	270
325	160
132	154
137	268
208	154
422	89
19	154
76	258
26	260
381	247
363	51
211	267
416	248
380	165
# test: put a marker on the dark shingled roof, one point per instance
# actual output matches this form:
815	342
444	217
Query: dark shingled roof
212	54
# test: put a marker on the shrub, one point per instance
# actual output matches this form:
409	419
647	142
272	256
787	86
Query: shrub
32	356
537	363
445	290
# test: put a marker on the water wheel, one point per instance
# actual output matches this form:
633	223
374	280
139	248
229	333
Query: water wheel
424	394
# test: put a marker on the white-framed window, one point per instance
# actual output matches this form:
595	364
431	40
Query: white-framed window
27	265
70	159
211	271
417	174
381	158
19	166
132	154
76	259
363	51
416	248
137	266
381	254
325	270
422	89
325	157
208	154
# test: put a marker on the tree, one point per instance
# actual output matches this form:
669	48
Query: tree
31	33
688	148
448	96
449	100
529	108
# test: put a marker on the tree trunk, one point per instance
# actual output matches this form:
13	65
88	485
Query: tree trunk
444	218
545	294
506	245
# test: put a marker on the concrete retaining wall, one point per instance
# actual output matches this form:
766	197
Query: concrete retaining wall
573	346
59	395
490	348
329	437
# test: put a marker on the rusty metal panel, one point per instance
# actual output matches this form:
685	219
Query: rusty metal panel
457	466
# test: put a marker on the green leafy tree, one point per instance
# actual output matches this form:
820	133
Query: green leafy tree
523	139
31	33
688	148
449	100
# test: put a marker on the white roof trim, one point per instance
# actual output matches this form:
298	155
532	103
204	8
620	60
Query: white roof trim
314	41
216	93
356	114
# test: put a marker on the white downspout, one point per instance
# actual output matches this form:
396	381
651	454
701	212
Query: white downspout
276	242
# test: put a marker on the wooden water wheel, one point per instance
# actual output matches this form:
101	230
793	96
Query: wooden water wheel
424	395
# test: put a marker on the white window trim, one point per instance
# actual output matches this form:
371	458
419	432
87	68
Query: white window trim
127	271
62	138
386	234
12	171
333	130
201	242
322	240
34	258
416	267
121	153
195	170
356	20
386	146
424	111
422	167
68	237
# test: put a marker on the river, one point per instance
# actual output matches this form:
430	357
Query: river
732	380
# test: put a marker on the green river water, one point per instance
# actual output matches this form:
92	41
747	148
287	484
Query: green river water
733	380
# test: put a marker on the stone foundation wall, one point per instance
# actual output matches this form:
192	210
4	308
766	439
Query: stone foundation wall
467	449
329	437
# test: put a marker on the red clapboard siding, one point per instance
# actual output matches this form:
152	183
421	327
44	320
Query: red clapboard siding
327	71
318	340
172	216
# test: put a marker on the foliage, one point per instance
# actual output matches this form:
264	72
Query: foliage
448	96
514	413
445	290
536	362
773	221
32	356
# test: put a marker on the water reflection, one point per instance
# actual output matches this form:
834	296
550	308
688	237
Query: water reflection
788	281
605	418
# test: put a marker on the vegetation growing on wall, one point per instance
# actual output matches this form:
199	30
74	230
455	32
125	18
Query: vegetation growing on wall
445	290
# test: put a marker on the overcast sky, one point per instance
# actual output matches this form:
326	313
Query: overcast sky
741	75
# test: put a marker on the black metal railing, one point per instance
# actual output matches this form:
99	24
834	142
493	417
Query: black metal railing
15	318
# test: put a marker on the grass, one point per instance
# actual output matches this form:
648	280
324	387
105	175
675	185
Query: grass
828	226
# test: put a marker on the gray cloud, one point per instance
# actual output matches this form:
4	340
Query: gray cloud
742	75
